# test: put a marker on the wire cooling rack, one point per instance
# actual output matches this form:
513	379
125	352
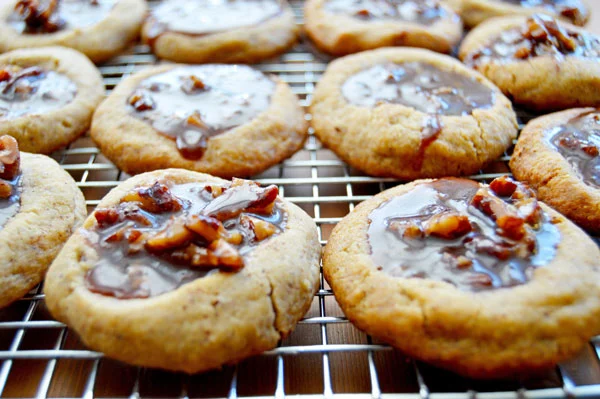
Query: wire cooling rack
325	357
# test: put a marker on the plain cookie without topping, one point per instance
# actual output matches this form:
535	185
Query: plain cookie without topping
184	271
341	27
238	31
98	28
474	12
411	113
558	155
47	96
481	280
539	62
226	120
40	206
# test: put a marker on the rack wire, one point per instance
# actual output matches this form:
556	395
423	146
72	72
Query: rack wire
325	357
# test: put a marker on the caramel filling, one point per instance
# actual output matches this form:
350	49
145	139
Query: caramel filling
163	236
473	236
192	104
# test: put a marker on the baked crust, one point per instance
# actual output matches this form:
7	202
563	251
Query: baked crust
49	131
546	170
272	136
216	320
51	208
342	34
542	83
385	140
488	334
474	12
248	44
99	42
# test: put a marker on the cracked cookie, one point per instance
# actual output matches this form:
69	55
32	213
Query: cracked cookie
341	27
229	31
411	113
482	280
184	271
47	96
40	206
558	155
539	62
100	29
226	120
474	12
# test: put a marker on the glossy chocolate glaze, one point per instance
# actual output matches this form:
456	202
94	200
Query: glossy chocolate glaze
476	258
127	269
204	17
579	142
573	10
417	11
32	90
68	14
540	36
191	104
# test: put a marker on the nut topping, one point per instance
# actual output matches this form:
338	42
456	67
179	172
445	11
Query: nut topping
40	15
141	101
193	84
448	225
10	158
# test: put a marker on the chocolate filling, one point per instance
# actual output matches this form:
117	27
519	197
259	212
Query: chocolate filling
192	104
573	10
32	90
541	35
422	86
455	230
200	17
421	12
163	236
48	16
578	141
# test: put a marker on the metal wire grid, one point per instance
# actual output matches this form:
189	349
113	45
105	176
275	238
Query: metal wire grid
323	186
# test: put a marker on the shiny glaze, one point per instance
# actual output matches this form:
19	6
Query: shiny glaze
421	12
32	90
570	9
231	95
578	141
433	258
126	272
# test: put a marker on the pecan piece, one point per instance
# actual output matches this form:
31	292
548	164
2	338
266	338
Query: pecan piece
173	235
107	216
407	229
5	189
156	199
503	186
448	225
193	84
259	227
5	75
207	227
40	15
141	101
226	254
10	158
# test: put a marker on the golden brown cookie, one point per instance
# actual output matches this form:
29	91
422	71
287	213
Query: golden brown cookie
184	271
226	120
47	96
482	280
474	12
40	206
411	113
537	61
98	28
342	27
558	155
229	31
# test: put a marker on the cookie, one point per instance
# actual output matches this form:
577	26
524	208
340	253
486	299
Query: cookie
474	12
482	280
341	27
99	29
184	271
40	206
226	120
411	113
47	96
539	62
558	155
228	31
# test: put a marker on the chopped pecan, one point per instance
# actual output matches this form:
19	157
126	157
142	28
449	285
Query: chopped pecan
503	186
530	210
156	199
480	279
173	235
5	75
234	238
106	216
362	13
215	190
457	261
5	189
448	225
207	227
10	158
193	84
242	197
40	15
511	226
192	143
226	254
259	227
407	229
590	150
141	101
265	201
